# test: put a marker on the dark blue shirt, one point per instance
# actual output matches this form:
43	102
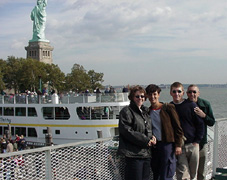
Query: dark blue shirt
192	124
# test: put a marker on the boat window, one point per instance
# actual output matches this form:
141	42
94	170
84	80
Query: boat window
8	111
20	131
57	113
20	111
83	112
114	112
0	130
44	131
61	113
57	132
98	113
0	111
6	129
32	112
32	132
116	131
48	112
12	131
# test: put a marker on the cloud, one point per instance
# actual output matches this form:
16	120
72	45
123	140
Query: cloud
18	44
101	20
108	36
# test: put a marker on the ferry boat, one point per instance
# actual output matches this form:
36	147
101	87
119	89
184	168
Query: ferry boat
71	118
93	159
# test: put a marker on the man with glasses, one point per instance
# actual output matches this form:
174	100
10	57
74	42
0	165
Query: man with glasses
193	128
205	112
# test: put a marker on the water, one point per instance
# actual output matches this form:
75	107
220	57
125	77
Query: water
216	96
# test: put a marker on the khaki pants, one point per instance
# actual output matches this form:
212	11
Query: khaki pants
188	162
202	159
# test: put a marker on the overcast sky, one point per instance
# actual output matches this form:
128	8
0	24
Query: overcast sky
130	41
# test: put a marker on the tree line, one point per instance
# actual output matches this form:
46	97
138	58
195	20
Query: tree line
28	74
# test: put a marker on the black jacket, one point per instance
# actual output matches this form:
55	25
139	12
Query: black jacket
134	132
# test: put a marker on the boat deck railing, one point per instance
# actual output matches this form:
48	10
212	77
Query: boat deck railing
94	159
63	98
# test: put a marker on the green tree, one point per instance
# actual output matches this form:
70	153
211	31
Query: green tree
96	79
12	73
23	74
78	79
2	67
30	71
55	78
50	74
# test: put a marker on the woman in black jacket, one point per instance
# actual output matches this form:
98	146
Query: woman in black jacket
136	136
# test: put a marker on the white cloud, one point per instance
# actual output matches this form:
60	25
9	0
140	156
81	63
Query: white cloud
115	37
18	44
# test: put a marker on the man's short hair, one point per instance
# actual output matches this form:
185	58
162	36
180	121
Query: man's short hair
193	85
176	85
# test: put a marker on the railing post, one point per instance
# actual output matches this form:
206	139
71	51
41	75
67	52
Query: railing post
39	98
117	95
26	99
48	137
215	149
48	165
8	132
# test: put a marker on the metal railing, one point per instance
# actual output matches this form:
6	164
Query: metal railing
220	144
63	99
95	159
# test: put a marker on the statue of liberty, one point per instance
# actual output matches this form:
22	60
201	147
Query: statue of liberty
38	16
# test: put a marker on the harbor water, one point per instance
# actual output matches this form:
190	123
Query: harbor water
216	96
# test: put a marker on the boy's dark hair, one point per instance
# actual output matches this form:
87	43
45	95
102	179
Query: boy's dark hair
153	88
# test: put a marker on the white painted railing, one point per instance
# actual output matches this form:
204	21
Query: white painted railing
63	99
95	159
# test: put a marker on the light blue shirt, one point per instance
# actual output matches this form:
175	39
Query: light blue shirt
156	124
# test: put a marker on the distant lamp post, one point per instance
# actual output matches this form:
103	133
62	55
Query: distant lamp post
40	83
49	87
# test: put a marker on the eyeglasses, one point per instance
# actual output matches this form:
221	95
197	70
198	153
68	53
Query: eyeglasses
140	96
190	92
175	91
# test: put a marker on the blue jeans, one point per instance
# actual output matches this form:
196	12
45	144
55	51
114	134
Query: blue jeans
163	161
137	168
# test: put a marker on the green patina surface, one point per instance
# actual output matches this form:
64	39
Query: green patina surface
38	16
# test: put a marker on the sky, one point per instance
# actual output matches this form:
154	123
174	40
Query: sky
129	41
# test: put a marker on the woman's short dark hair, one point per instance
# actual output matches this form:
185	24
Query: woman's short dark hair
153	88
133	91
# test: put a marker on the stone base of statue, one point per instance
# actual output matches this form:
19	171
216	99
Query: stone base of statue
40	50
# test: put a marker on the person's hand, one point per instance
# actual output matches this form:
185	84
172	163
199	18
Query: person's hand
178	150
152	141
199	112
195	144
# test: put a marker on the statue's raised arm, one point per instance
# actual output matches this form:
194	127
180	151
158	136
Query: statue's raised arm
38	16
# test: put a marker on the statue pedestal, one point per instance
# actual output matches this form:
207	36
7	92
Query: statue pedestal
40	50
